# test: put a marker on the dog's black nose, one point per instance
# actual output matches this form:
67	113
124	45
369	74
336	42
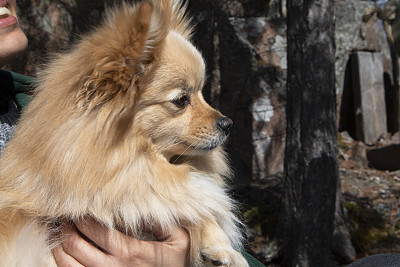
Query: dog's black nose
225	124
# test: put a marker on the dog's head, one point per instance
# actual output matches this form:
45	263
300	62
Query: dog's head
109	114
172	108
148	79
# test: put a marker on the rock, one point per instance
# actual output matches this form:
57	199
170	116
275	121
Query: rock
385	158
342	248
352	34
252	76
359	154
369	96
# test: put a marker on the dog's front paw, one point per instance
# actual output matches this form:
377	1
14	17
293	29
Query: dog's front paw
214	256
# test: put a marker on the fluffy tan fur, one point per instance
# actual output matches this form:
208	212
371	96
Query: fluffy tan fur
119	130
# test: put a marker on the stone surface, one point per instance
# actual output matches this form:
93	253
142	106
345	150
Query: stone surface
352	34
248	82
369	96
266	41
385	158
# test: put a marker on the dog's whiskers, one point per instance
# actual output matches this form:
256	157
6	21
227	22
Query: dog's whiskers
174	143
179	156
195	146
192	154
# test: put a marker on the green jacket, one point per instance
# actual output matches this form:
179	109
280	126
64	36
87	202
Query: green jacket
21	88
18	86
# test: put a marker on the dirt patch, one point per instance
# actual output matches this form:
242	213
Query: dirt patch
371	198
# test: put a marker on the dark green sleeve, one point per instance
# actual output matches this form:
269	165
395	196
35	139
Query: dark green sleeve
20	86
253	262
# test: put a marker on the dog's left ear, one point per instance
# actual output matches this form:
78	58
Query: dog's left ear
114	57
120	50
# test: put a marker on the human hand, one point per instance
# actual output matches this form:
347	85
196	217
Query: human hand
117	249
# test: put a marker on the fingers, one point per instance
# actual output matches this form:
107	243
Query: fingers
118	244
179	233
178	236
84	253
111	241
176	233
63	259
97	245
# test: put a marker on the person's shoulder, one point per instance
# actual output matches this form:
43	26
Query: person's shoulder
17	81
253	262
21	86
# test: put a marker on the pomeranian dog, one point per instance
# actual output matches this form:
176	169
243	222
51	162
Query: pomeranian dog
118	130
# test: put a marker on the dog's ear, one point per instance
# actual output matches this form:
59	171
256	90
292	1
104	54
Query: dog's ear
118	53
112	60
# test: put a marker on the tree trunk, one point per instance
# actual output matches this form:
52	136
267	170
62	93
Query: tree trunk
311	169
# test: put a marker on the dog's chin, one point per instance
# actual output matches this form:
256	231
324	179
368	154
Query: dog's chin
190	150
180	158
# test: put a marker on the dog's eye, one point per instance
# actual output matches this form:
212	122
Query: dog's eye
181	101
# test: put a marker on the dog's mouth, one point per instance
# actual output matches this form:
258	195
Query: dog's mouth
178	159
202	145
195	149
207	146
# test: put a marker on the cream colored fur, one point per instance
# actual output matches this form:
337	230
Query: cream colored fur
105	137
